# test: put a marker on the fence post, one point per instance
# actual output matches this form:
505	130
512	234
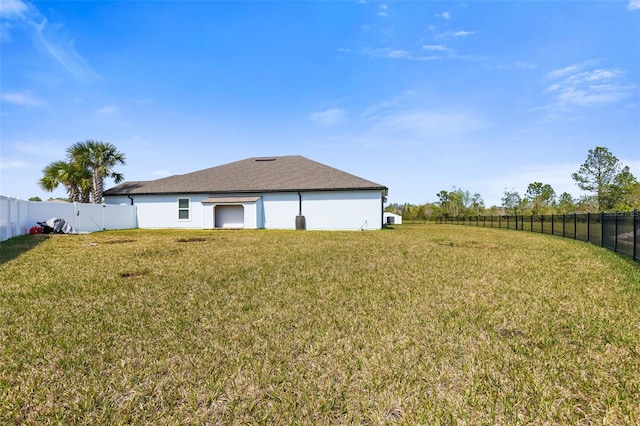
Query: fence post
552	223
602	229
615	239
635	235
575	226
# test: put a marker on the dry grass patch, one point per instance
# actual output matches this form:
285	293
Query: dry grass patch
420	324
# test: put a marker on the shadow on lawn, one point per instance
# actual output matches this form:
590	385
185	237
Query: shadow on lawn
14	247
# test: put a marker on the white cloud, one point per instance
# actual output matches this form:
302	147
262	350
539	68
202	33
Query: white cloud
47	37
524	65
572	86
106	110
12	164
444	15
387	53
328	118
62	51
634	5
386	106
161	173
12	9
396	54
382	10
429	123
449	34
25	99
566	71
463	33
435	47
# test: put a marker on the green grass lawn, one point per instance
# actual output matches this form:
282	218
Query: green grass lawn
431	324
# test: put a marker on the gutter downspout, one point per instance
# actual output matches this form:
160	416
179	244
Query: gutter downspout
131	198
301	223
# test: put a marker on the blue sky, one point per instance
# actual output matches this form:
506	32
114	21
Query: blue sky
418	96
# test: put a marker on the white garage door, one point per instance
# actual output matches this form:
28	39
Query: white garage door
229	216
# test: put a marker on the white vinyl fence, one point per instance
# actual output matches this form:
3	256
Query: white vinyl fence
18	216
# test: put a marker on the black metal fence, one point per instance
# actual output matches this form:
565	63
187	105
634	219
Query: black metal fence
618	231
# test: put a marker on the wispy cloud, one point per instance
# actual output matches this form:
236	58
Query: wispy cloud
13	9
12	164
463	33
424	123
383	10
396	54
634	5
435	47
576	86
63	51
25	99
387	53
12	13
47	37
387	106
329	117
454	34
106	110
161	173
444	15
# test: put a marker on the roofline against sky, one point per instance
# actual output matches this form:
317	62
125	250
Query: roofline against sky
384	189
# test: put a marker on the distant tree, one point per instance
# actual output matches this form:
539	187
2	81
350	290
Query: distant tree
456	203
75	178
625	191
35	199
565	204
430	210
100	158
587	204
494	211
597	175
477	205
512	202
541	197
393	208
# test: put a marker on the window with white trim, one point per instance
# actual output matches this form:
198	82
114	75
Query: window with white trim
183	209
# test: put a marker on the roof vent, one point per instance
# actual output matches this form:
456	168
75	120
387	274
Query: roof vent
266	159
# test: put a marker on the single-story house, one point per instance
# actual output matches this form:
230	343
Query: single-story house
391	218
289	192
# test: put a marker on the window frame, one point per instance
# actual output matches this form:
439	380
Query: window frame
183	209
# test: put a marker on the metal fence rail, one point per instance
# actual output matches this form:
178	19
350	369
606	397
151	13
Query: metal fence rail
619	231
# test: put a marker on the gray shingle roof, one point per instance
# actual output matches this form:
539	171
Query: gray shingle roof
253	175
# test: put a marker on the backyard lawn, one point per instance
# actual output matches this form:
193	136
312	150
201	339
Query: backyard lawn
430	324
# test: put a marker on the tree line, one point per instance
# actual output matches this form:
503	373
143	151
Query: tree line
610	187
84	170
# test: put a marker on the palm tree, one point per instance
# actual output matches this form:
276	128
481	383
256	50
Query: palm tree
100	158
72	175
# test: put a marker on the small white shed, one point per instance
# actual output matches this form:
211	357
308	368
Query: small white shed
391	218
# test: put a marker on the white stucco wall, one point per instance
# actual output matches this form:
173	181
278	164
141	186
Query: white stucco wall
326	210
343	210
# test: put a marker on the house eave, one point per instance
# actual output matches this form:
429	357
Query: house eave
383	189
